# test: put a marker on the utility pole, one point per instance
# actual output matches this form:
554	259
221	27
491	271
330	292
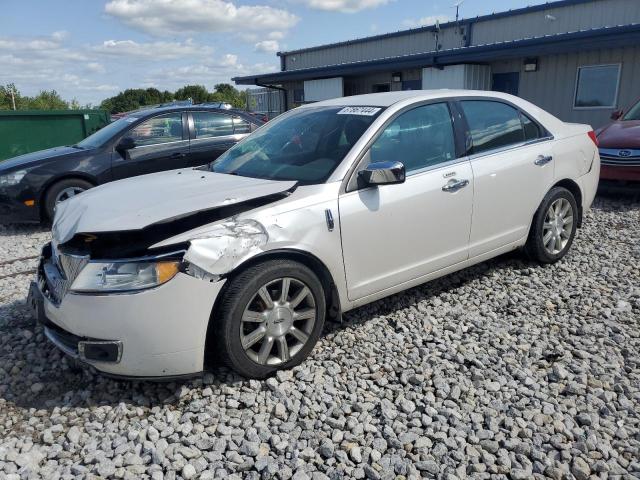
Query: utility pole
13	98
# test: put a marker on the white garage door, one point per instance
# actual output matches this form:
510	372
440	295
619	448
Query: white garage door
323	89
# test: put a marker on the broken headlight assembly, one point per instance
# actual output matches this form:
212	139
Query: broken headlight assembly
122	276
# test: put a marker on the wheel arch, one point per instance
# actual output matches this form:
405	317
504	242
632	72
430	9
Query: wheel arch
59	178
316	265
575	190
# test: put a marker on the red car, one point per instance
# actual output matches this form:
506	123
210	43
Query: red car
619	145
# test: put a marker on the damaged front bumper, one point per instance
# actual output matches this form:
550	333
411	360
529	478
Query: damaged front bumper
158	332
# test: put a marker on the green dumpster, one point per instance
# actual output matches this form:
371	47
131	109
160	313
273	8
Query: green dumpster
27	131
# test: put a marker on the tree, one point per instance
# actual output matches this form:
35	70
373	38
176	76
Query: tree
197	93
10	97
227	93
47	100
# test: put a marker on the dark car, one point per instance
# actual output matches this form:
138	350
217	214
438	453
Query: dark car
142	142
619	145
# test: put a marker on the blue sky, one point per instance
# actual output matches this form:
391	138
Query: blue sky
92	49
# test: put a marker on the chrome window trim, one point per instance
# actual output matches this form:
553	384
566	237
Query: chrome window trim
507	148
437	166
615	97
157	144
233	136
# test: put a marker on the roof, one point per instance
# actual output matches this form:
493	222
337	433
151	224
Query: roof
431	28
605	37
387	99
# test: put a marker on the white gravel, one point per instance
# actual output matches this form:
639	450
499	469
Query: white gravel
505	370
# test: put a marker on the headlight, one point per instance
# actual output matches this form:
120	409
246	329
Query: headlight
12	178
124	276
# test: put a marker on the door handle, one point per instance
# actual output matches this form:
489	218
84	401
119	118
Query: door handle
543	160
178	155
454	185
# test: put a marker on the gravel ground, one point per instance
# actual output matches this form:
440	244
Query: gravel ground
507	369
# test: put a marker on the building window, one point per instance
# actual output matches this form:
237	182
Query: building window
298	95
597	86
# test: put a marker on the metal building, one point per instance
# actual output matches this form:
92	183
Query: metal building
578	59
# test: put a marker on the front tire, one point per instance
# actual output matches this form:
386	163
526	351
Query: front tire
554	227
270	318
61	191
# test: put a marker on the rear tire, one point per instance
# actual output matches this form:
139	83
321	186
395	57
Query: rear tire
258	329
554	227
61	191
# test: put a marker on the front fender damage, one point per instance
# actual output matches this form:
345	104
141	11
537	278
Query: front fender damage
220	249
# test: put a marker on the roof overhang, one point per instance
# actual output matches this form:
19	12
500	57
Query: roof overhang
606	37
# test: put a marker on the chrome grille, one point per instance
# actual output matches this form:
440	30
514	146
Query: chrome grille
620	157
62	270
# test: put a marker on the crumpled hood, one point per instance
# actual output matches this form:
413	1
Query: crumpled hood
623	134
138	202
34	158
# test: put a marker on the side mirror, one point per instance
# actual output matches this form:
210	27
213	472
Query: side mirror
126	143
616	115
382	173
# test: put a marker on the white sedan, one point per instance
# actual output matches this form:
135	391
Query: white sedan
328	207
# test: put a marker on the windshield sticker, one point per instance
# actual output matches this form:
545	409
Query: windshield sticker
368	111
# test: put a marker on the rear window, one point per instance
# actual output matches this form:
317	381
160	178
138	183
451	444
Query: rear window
492	124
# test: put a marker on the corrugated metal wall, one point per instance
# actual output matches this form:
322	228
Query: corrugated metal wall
552	87
416	42
598	13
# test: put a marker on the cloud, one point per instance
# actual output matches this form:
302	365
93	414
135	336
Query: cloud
267	46
219	70
60	35
344	6
429	20
95	67
178	17
152	50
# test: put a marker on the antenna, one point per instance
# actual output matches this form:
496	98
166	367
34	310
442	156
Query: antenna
457	7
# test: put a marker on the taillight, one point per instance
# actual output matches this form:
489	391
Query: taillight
592	136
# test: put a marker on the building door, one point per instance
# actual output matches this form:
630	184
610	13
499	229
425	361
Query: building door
381	87
506	82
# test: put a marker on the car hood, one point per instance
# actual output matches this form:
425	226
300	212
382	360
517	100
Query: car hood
624	134
35	158
139	202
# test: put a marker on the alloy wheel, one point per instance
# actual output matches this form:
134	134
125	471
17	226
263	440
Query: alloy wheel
278	321
557	226
68	193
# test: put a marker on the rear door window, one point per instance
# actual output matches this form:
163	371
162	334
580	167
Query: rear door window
492	124
531	129
211	124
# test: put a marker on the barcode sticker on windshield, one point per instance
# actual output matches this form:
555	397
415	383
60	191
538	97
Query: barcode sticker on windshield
368	111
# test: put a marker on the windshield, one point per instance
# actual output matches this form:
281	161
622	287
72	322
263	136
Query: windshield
633	113
106	133
305	145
